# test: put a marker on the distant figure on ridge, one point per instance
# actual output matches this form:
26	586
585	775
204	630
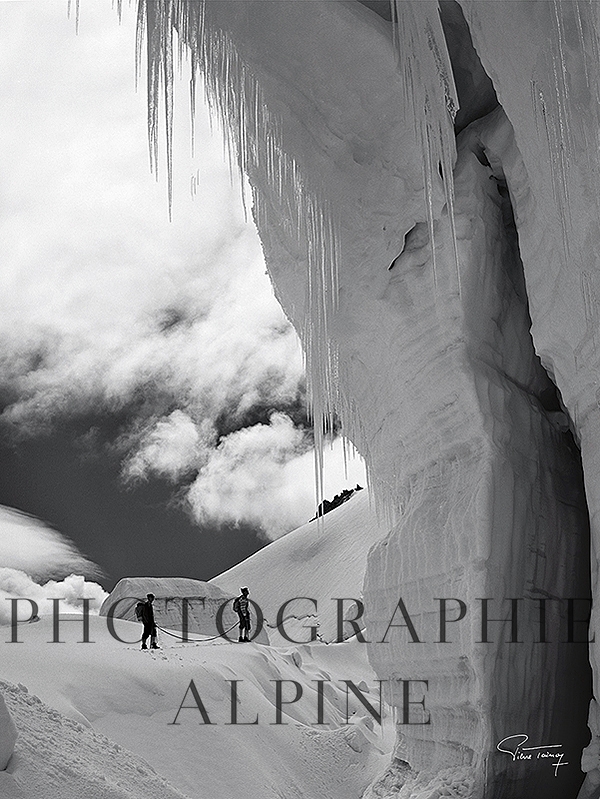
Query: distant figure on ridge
145	613
241	606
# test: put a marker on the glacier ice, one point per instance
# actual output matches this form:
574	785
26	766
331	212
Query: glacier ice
443	278
8	735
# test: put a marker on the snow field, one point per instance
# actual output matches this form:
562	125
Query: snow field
109	688
133	698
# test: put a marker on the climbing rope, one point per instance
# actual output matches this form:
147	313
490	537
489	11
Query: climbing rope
181	638
197	640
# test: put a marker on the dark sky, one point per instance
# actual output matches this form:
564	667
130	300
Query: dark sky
109	306
127	531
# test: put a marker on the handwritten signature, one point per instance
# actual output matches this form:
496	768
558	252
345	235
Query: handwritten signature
513	745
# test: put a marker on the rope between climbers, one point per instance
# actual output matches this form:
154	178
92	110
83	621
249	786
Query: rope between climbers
196	640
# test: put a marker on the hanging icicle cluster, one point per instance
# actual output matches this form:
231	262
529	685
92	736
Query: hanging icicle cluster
432	99
254	144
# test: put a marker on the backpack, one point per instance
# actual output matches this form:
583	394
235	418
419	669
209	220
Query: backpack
241	605
139	611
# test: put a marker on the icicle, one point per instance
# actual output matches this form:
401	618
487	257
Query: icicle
582	44
587	20
534	105
118	5
168	88
253	142
563	142
254	146
588	298
431	96
76	14
139	43
560	80
557	165
552	106
193	87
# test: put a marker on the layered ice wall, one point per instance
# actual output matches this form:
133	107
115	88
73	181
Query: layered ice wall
549	89
414	285
494	508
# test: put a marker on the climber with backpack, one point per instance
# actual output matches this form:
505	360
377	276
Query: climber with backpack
144	612
241	606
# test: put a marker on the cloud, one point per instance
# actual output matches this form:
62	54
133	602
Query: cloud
31	555
100	293
262	474
30	546
101	296
107	306
15	584
265	474
171	448
209	345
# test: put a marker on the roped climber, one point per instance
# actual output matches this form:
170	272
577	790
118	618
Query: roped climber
146	615
241	606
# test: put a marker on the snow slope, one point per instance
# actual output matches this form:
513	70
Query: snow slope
323	560
57	758
133	697
110	688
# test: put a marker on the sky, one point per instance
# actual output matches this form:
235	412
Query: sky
152	392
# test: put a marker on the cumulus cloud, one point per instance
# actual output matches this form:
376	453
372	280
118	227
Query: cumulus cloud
30	546
265	474
171	447
262	474
208	345
39	563
106	306
15	584
101	296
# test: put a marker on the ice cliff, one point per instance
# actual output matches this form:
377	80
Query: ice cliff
8	735
424	181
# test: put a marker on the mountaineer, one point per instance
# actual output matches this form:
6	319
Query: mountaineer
145	613
241	606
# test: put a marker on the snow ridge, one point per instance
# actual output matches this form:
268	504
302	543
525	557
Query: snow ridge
58	758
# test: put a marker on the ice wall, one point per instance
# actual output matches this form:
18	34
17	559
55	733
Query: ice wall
8	735
494	508
412	287
549	89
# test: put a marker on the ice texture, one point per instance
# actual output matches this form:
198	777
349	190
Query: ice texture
8	735
445	290
58	758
